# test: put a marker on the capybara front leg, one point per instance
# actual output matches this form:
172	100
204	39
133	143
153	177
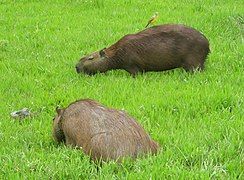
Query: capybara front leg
134	71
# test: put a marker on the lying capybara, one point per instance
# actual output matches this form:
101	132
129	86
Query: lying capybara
103	133
157	48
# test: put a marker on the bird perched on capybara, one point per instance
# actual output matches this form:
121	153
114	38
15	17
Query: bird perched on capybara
103	133
157	48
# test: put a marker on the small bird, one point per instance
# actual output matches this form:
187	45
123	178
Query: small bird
152	19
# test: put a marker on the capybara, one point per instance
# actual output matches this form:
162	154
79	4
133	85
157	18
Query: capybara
103	133
157	48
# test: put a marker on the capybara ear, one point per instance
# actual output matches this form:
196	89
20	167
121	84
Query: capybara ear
58	110
102	53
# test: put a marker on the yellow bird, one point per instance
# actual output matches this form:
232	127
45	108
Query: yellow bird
152	19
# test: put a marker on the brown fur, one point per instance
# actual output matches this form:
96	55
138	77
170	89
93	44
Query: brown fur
157	48
103	133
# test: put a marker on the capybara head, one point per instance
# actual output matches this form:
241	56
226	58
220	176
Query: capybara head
58	133
92	63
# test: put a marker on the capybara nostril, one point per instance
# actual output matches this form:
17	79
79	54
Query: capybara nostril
77	69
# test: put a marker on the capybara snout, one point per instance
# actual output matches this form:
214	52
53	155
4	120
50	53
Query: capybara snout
103	133
78	70
89	63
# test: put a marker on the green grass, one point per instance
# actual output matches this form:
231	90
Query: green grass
197	119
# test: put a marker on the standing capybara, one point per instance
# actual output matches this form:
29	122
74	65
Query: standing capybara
157	48
103	133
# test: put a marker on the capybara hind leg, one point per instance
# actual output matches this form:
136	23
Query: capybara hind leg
191	68
192	64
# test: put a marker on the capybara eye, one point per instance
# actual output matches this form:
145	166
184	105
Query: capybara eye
90	58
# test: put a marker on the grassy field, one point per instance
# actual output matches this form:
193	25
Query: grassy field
198	119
